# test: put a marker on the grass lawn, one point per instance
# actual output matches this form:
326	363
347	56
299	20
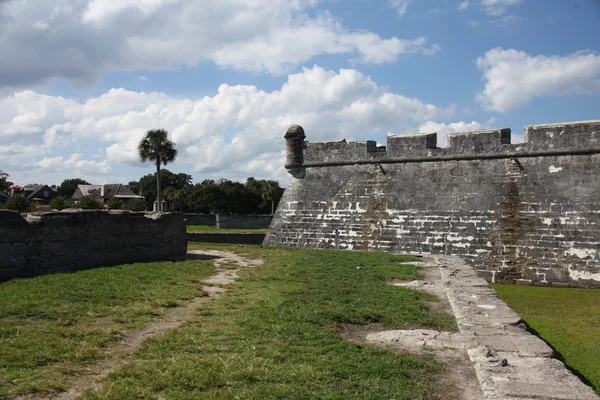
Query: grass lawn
568	319
51	326
275	334
212	229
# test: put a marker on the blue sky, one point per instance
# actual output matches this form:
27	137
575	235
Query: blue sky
81	81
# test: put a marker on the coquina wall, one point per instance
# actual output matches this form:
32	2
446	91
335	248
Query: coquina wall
526	212
229	221
61	241
244	221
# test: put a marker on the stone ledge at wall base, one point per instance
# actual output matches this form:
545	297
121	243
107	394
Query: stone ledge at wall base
526	212
48	242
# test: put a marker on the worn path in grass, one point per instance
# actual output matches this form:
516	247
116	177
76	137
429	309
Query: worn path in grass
227	266
276	335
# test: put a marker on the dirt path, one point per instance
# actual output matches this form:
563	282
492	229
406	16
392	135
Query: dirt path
227	266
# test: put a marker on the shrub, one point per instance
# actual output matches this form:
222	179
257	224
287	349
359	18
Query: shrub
59	203
135	205
89	203
113	203
18	202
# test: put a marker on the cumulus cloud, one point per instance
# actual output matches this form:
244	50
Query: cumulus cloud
496	8
514	78
400	5
463	5
443	129
235	133
74	165
80	40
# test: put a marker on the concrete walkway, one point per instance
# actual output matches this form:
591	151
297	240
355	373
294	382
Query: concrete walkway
510	363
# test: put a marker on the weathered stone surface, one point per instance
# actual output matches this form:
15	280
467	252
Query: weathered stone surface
526	212
509	361
57	241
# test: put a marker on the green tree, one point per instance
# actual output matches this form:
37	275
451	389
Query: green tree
89	203
59	203
157	147
271	192
113	203
146	186
134	205
4	182
68	186
18	202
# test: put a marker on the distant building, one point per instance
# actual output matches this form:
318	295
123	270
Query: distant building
39	193
15	189
101	193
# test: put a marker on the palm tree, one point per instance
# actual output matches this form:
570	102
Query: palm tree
271	191
4	183
157	147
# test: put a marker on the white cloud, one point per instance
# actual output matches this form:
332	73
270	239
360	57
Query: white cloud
236	133
507	20
496	8
74	165
80	40
443	129
400	5
514	78
463	5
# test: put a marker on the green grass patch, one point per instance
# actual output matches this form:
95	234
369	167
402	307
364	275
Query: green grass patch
275	335
212	229
568	319
51	326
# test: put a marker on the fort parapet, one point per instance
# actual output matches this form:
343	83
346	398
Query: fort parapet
62	241
525	212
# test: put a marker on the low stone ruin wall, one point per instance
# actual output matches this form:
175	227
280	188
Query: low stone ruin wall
43	243
200	219
235	221
231	238
244	221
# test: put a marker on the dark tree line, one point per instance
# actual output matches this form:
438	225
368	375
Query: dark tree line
256	196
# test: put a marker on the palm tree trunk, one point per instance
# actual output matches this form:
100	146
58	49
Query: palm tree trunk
272	206
158	202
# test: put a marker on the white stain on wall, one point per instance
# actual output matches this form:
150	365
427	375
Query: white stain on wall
581	253
554	169
587	275
547	221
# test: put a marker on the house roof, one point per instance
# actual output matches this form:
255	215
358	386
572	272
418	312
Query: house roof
105	191
32	191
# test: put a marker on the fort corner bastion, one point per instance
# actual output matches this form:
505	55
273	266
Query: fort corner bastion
524	213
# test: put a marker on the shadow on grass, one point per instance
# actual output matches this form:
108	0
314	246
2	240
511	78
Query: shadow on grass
559	356
202	257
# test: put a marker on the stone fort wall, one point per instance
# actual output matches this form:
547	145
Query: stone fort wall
230	221
527	212
60	241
